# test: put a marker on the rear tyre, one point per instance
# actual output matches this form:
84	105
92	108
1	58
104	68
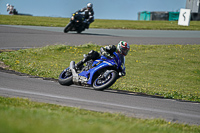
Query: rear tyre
79	31
65	77
104	83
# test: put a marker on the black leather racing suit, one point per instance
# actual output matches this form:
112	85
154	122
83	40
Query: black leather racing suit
89	15
94	55
106	51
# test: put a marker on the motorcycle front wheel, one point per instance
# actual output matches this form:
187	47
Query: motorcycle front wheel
68	27
105	82
65	77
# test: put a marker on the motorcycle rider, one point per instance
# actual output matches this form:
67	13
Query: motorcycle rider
89	14
8	7
11	9
122	48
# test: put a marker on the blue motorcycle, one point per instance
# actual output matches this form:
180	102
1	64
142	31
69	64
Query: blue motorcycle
99	74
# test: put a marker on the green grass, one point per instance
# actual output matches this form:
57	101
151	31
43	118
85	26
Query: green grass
98	23
171	71
22	115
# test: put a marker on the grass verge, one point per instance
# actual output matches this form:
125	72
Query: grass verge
98	23
22	115
171	71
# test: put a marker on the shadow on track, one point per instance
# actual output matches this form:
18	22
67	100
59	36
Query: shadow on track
92	34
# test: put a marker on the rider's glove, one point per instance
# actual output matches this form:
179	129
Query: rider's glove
122	73
105	54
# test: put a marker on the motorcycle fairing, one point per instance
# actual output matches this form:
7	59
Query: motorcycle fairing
99	64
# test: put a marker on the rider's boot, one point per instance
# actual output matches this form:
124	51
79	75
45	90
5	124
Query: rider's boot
79	65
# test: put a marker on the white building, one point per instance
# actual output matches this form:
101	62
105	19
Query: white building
194	5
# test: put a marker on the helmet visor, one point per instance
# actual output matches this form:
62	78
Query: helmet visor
124	51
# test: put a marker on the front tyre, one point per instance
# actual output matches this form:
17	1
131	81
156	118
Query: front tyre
68	27
65	77
101	83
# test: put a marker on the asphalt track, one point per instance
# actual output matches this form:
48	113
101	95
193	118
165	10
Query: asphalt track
36	36
38	89
106	101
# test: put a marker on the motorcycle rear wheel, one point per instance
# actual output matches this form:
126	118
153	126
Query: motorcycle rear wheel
102	84
79	31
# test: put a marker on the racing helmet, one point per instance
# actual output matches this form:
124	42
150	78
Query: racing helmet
89	6
7	4
123	48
